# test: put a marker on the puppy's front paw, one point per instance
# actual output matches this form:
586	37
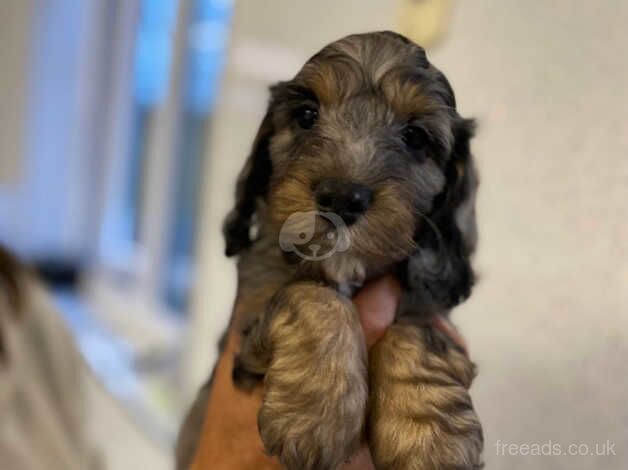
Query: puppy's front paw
421	416
308	437
313	412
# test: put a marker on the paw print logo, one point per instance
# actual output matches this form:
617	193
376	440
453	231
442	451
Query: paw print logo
314	235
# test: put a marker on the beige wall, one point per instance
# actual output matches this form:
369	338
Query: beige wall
548	322
14	44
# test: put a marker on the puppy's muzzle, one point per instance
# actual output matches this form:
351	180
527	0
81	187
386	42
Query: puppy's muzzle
347	199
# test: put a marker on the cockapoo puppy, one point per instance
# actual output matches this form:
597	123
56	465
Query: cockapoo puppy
361	167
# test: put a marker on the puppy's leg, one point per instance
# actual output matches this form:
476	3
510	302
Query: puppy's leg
311	348
421	415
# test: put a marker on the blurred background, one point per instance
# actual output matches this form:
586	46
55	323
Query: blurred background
125	122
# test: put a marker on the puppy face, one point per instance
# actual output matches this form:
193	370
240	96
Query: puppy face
367	130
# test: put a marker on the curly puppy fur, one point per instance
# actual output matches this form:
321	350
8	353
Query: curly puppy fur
368	111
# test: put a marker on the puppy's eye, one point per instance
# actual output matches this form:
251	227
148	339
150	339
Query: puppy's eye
415	137
305	116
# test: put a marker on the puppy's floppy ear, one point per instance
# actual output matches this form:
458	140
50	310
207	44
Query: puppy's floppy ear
252	185
440	271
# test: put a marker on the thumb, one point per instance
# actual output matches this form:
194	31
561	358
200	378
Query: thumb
377	304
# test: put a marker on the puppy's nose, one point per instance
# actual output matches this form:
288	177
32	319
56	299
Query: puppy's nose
348	200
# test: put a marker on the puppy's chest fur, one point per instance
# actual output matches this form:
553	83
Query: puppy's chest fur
264	269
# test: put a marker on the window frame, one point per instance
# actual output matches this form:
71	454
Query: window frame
124	291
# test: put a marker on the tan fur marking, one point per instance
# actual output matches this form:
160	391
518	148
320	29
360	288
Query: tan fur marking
421	415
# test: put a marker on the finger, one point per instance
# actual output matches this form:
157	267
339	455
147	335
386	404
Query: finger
445	326
229	438
377	304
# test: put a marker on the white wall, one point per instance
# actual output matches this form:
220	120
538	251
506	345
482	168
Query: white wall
548	322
